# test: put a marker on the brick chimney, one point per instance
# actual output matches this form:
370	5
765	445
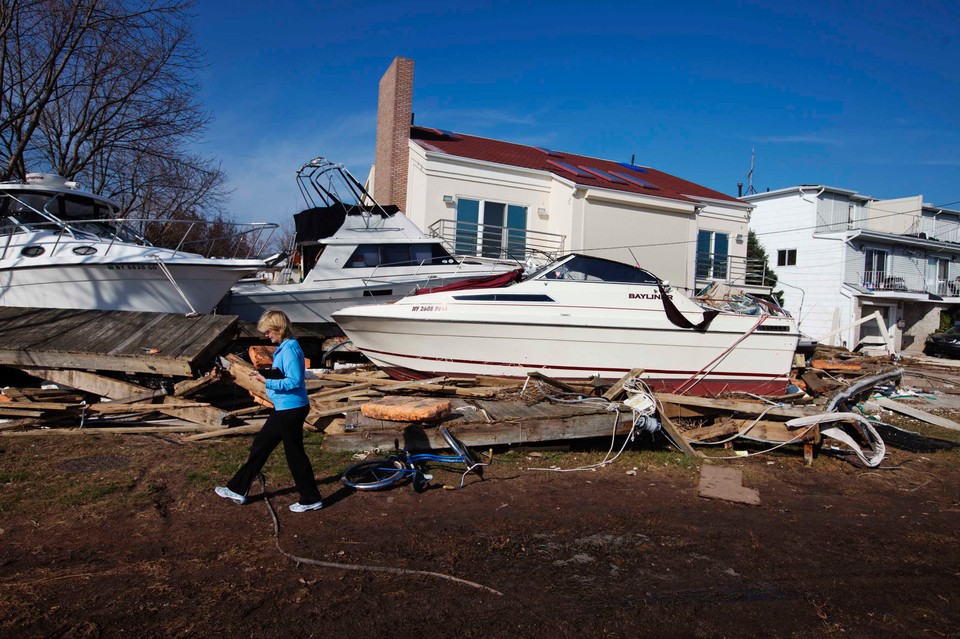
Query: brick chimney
394	112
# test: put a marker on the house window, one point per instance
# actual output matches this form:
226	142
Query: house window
787	257
874	268
491	229
712	255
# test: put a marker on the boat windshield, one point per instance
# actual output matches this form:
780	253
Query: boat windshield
32	211
594	269
21	211
370	255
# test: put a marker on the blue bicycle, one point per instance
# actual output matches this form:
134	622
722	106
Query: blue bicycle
402	465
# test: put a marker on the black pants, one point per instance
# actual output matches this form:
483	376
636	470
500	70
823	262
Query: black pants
285	426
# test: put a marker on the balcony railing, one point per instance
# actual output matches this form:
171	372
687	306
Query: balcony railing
884	281
502	242
732	269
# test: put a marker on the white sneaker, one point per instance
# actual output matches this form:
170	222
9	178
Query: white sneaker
302	508
226	493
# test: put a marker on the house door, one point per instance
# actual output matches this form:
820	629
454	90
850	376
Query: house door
491	229
869	331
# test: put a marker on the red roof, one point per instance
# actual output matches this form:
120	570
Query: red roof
580	169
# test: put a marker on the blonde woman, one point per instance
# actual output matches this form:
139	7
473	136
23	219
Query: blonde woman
288	393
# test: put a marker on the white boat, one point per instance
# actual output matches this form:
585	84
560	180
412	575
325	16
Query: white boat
66	248
579	317
350	251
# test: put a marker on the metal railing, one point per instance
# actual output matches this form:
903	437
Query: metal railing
208	238
884	281
497	242
732	269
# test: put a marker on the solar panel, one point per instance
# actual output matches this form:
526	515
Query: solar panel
637	181
550	152
569	168
633	167
603	175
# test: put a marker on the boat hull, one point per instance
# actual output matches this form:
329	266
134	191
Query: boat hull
121	286
305	305
316	302
701	363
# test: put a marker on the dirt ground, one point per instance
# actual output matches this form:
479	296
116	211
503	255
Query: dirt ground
122	536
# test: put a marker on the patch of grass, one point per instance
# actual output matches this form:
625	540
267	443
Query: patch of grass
14	476
200	479
92	492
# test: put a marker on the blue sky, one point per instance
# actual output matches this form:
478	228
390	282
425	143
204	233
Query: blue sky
857	95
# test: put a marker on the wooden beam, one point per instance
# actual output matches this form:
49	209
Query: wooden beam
493	434
119	430
676	437
747	408
248	429
89	382
614	391
916	413
109	387
192	386
567	388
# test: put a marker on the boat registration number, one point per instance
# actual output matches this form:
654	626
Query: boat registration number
430	307
131	267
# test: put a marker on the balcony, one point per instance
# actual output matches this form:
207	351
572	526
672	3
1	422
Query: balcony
882	281
733	270
499	242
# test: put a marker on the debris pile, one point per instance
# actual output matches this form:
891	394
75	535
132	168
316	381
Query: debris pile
362	409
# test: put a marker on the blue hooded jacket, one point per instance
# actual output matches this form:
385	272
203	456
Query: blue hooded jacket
291	391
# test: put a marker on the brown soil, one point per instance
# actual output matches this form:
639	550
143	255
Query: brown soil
122	536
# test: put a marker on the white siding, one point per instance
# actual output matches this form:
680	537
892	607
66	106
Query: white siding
811	288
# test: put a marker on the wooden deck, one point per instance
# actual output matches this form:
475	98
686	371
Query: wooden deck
161	343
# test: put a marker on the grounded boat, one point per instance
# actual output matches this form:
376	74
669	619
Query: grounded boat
350	251
575	318
67	248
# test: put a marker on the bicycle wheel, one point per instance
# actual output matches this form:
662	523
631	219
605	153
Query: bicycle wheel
459	448
374	474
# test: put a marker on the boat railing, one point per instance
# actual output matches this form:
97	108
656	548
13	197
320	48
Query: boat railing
210	238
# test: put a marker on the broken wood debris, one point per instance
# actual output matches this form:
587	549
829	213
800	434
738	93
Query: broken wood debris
483	412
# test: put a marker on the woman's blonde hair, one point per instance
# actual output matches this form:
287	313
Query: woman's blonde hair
275	321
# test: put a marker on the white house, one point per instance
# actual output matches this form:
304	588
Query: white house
492	197
842	256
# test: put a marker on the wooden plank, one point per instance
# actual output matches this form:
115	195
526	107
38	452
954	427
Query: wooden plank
916	413
676	411
553	382
245	376
706	433
193	386
424	385
614	391
89	382
6	410
415	438
517	411
110	340
747	408
109	387
247	429
119	430
671	430
814	384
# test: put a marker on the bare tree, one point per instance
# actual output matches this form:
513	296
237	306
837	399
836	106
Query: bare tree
102	91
